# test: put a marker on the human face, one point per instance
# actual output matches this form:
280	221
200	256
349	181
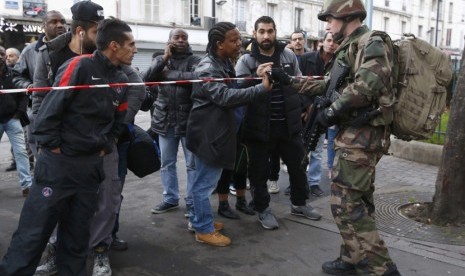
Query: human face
297	41
11	57
328	44
333	25
231	46
54	25
179	39
125	52
265	36
89	40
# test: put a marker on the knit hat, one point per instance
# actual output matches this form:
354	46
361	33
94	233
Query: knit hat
87	11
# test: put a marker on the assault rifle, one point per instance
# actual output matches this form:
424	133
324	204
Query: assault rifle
312	129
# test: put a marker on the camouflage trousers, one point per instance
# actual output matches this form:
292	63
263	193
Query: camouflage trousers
353	209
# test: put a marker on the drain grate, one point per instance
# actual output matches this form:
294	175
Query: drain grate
390	220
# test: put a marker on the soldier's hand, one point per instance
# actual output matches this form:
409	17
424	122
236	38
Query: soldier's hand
280	76
326	118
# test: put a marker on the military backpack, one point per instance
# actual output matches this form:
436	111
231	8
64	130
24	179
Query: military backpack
420	75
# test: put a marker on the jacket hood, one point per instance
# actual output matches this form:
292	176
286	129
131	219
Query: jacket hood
58	42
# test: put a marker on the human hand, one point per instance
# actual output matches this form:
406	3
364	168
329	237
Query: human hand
326	117
280	76
168	51
263	69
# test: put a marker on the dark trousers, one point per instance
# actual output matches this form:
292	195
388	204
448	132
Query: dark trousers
275	166
61	194
238	175
291	150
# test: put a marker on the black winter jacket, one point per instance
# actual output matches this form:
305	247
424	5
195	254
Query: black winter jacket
256	123
83	121
11	104
211	128
173	105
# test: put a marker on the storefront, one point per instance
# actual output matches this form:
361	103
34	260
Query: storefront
20	25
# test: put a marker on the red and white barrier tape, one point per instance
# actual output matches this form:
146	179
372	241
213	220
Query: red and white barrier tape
88	86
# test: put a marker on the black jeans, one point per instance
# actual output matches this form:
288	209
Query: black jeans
60	194
238	175
274	166
291	150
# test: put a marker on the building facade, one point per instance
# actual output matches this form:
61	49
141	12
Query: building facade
440	22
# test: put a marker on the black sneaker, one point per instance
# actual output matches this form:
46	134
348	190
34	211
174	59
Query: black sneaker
241	205
339	267
118	244
315	190
163	207
225	211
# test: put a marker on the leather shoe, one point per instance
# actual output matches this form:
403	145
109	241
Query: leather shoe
339	267
11	168
25	192
241	205
118	244
225	211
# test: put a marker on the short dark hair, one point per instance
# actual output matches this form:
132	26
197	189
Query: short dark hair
264	19
297	32
86	25
218	34
109	30
49	13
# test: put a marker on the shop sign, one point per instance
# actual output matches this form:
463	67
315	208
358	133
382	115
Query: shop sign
6	26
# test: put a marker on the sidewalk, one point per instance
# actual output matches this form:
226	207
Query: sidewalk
161	245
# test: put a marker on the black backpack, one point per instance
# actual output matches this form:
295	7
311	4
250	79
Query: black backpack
143	152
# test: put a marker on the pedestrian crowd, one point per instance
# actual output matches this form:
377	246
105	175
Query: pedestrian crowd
234	135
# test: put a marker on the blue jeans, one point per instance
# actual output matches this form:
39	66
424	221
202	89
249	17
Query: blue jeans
169	145
314	167
205	180
15	133
332	132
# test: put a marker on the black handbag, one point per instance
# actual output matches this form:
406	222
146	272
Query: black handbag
143	152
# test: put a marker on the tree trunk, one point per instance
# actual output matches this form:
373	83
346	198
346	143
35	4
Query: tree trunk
449	199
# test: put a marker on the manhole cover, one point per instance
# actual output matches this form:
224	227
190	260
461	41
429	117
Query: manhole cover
390	220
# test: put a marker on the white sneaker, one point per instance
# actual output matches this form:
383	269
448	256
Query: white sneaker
49	267
232	190
273	187
101	265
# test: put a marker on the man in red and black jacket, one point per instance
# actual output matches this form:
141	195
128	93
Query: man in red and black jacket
74	129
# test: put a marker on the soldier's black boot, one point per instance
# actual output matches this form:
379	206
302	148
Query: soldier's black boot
339	267
392	270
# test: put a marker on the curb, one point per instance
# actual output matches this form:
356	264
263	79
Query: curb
416	151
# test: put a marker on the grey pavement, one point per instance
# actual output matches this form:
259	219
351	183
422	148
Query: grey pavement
161	245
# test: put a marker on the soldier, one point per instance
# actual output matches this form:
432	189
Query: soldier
358	147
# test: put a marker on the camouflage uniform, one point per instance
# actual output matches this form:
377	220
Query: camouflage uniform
359	148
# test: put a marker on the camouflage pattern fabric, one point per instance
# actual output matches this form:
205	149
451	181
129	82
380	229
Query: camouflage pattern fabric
358	149
353	209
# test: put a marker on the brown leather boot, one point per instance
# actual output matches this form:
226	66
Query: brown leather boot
215	238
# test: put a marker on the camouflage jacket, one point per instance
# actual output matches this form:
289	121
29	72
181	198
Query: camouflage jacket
368	86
